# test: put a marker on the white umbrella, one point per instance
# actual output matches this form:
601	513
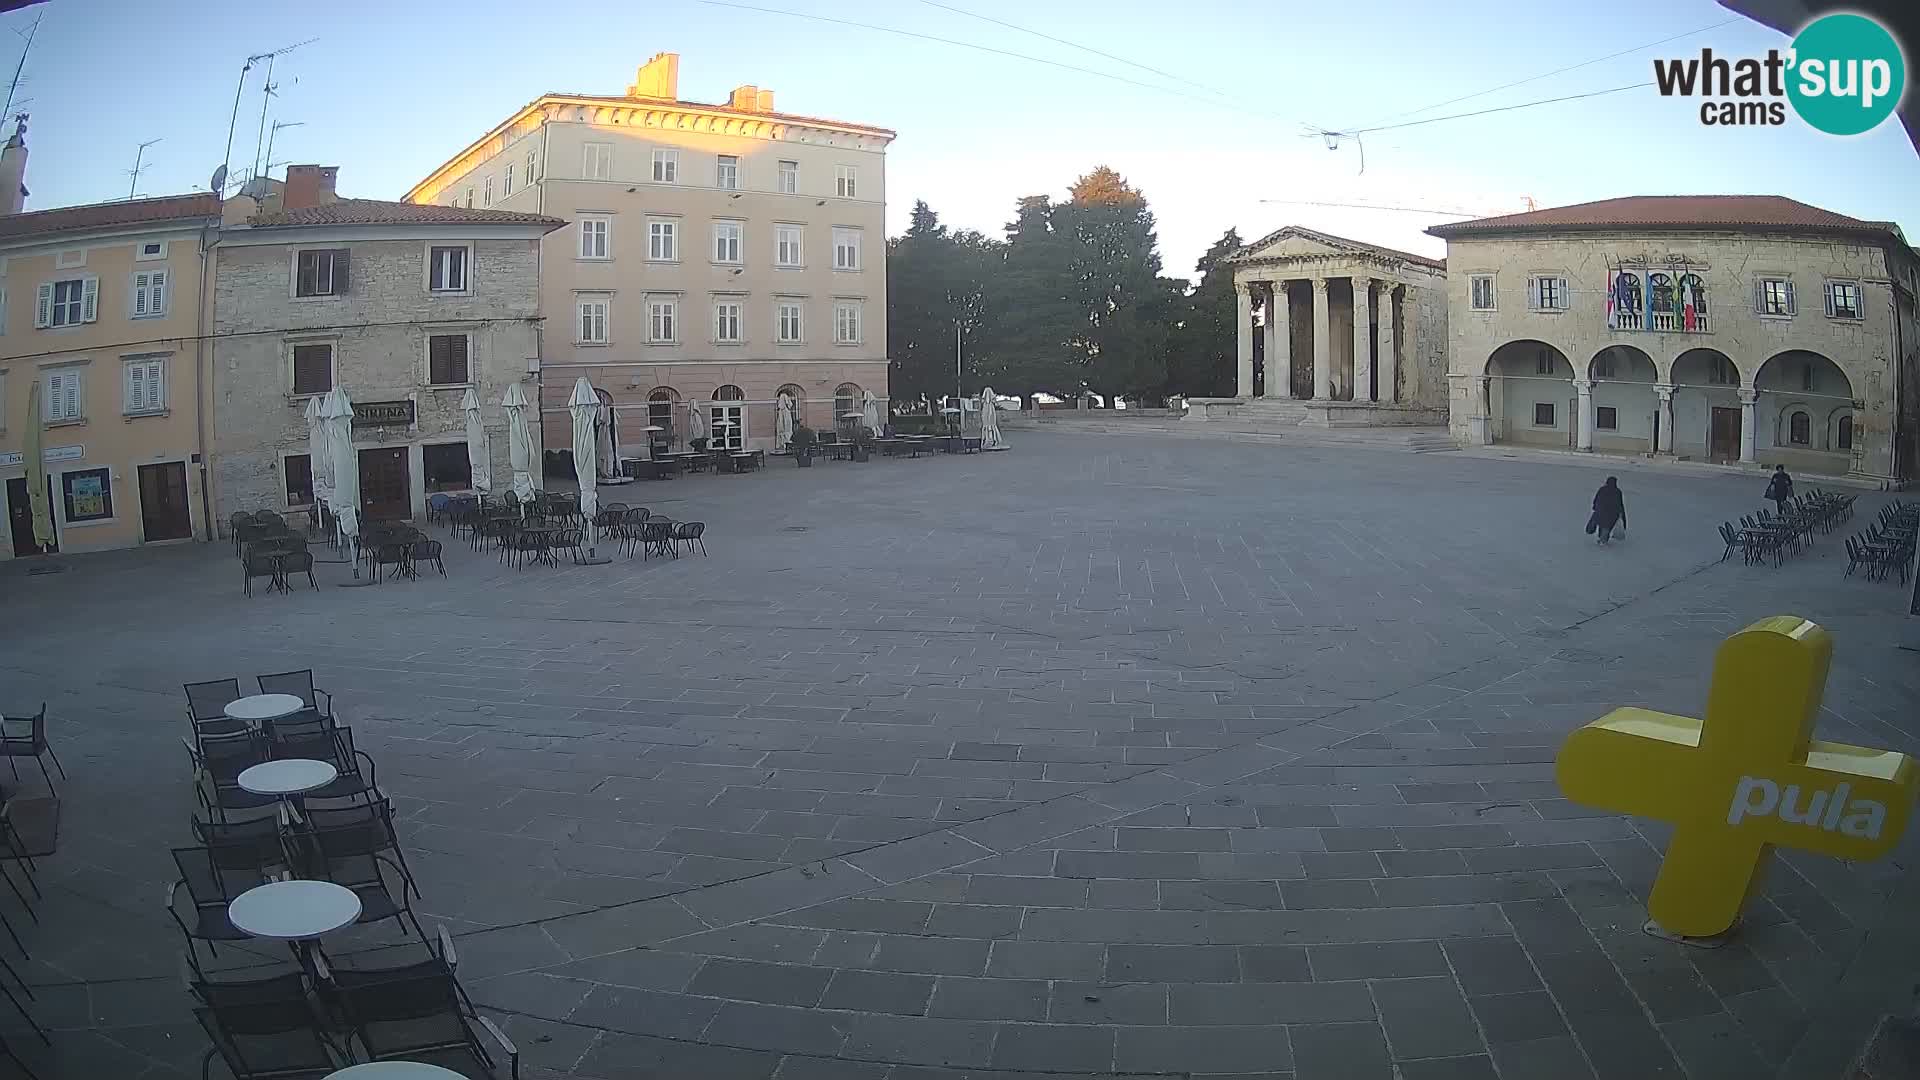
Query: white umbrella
990	437
585	407
337	414
783	424
519	444
319	455
479	452
870	408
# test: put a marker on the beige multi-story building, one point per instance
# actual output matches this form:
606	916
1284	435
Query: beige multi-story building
405	306
101	316
1737	329
717	257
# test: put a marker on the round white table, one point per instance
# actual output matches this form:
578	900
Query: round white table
287	776
293	910
263	707
395	1070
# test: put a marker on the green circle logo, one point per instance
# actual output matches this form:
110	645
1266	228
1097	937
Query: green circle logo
1846	74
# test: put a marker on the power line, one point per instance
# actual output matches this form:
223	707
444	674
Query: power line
1076	45
1373	206
1481	112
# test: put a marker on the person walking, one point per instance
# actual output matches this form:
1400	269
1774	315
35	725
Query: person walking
1780	489
1609	511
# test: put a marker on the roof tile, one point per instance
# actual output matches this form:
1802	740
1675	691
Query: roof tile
106	215
1769	212
383	212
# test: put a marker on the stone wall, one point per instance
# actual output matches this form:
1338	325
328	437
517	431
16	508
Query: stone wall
379	331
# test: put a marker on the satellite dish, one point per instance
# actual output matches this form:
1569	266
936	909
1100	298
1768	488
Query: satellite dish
219	181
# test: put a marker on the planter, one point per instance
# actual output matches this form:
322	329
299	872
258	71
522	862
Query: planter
803	458
861	453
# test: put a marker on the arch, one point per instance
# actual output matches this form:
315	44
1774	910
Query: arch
1705	367
1521	358
729	392
799	396
1624	404
1530	394
1622	363
1803	373
1841	429
1793	427
728	418
660	407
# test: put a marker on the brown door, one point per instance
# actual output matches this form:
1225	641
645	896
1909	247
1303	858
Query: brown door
20	516
163	502
1723	435
385	490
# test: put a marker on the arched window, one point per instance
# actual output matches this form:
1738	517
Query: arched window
660	413
1660	290
799	399
846	399
729	420
1843	434
1799	428
1693	303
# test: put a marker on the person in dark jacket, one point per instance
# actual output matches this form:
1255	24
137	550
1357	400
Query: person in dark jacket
1780	488
1609	510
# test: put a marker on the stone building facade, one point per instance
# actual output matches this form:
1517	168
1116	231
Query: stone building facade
1336	332
405	306
716	257
1741	329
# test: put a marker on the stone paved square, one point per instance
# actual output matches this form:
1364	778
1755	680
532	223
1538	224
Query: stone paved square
1110	756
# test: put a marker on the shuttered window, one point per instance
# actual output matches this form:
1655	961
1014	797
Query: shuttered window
320	272
1773	296
149	294
65	397
447	359
146	383
67	303
312	369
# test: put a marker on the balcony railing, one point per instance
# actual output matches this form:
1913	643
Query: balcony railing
1664	322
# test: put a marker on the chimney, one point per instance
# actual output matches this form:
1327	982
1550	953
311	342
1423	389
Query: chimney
763	101
309	185
658	78
743	98
13	169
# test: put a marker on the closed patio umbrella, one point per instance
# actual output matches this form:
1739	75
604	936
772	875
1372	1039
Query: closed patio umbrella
870	410
479	452
783	424
337	414
519	444
585	407
990	437
696	423
34	454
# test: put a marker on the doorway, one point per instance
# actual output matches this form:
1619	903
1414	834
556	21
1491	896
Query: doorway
386	488
164	513
20	517
1723	434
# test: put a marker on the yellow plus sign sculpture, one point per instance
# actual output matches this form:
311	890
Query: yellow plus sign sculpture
1748	777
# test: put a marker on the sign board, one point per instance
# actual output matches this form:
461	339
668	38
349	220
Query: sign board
1747	777
51	453
382	412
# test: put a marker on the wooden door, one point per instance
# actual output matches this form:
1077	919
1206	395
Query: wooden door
385	486
20	516
1723	434
163	502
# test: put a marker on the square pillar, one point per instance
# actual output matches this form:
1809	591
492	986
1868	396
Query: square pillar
1748	398
1243	306
1322	338
1663	393
1583	416
1362	339
1388	364
1279	340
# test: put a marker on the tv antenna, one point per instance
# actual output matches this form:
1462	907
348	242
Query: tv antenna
14	86
234	119
138	156
274	131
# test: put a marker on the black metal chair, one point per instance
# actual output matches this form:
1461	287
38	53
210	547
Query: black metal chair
343	832
259	565
255	843
299	561
428	551
13	850
334	746
269	1040
218	761
207	707
299	684
417	1012
656	538
690	533
211	886
32	743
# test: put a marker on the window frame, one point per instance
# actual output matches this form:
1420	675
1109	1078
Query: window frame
453	449
127	366
506	185
738	305
596	161
787	177
582	317
1553	415
1833	287
334	282
669	229
661	306
799	309
849	311
1473	285
85	302
140	253
738	242
1774	298
141	292
1606	418
728	172
1547	294
846	181
294	345
286	473
588	226
1804	418
466	358
781	229
51	412
486	192
106	492
533	164
845	232
666	165
465	262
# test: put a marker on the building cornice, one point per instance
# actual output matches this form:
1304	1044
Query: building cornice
642	113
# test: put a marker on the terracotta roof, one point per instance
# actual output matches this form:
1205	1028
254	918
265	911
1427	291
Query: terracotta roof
1760	212
668	103
382	212
1245	254
107	215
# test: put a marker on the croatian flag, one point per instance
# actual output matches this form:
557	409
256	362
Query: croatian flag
1613	282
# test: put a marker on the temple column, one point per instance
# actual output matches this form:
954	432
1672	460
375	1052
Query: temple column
1362	339
1389	364
1243	306
1322	339
1279	341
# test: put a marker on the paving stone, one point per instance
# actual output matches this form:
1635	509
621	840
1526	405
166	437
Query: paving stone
920	1040
878	991
1560	1059
777	1027
1202	1049
932	956
1054	1047
974	920
1269	1003
1475	1067
1356	1051
773	984
1107	1003
1377	960
1172	963
646	1012
1046	960
1623	1046
1522	1017
964	998
1426	1017
1713	1047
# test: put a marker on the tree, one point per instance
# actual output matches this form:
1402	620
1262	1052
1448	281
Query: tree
1202	353
935	280
1125	304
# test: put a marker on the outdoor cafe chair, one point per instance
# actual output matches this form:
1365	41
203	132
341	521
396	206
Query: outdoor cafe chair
356	779
210	887
690	533
13	850
207	707
254	842
269	1040
390	554
218	761
368	876
259	565
299	561
343	832
417	1012
656	538
427	551
299	684
30	743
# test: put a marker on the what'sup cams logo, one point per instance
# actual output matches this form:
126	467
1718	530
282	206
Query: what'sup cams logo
1843	74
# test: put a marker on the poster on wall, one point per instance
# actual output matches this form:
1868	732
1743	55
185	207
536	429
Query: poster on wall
87	495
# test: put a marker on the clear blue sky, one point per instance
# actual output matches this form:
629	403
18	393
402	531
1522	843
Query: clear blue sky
389	90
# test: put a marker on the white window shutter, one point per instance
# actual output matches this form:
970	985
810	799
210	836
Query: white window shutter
156	372
1561	297
157	292
89	299
1533	292
1789	287
1830	295
139	294
1759	296
43	313
136	388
